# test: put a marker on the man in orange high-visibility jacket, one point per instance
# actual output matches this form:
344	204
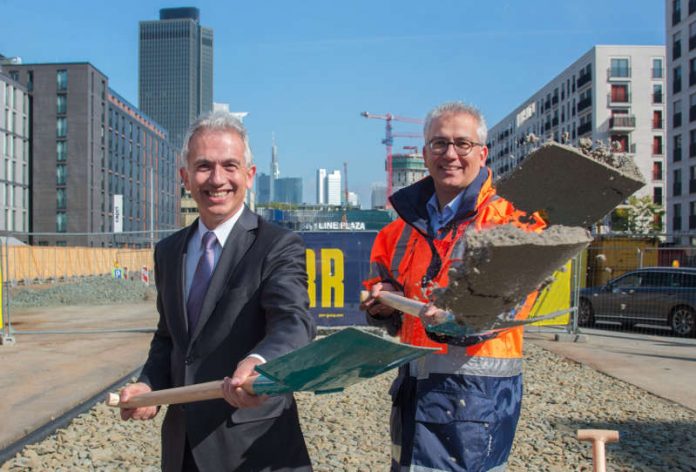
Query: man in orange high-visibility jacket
456	409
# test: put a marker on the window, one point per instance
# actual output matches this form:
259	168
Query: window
657	119
61	127
692	72
692	107
61	222
619	93
62	80
61	104
61	174
692	143
676	183
657	68
676	12
676	45
692	179
676	217
657	93
677	114
657	145
60	199
619	68
657	195
676	149
61	151
677	80
692	36
657	170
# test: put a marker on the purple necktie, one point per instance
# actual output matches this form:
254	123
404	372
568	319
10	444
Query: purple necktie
201	279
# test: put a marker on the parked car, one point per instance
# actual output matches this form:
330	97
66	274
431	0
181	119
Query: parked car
652	295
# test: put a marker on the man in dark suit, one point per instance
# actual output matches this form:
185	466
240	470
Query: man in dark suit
231	294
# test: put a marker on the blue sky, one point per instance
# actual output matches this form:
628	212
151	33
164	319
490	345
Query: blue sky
304	70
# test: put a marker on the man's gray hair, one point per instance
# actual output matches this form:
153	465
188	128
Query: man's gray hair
218	121
457	108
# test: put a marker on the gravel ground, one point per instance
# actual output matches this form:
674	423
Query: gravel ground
349	431
87	291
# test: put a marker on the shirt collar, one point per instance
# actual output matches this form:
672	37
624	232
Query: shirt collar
445	215
222	231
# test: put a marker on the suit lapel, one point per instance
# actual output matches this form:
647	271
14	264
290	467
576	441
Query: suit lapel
179	272
238	242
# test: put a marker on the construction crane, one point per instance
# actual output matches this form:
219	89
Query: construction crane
388	140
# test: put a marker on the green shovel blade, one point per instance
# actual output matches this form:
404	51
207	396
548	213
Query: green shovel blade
334	363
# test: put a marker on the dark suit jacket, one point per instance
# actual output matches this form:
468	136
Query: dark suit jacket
256	303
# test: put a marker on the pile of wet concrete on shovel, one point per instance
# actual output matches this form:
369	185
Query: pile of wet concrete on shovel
571	189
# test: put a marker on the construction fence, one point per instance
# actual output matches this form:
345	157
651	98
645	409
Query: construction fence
338	261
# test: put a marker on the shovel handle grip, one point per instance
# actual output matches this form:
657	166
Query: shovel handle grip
171	396
398	302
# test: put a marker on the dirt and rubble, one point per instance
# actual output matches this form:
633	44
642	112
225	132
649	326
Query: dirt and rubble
572	186
501	266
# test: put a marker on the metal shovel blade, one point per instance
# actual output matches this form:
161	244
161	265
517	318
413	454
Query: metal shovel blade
335	362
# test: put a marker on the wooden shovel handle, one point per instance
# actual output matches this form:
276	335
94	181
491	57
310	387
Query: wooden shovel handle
598	437
398	302
172	396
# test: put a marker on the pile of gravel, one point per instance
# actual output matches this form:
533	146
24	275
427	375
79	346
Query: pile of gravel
349	431
87	291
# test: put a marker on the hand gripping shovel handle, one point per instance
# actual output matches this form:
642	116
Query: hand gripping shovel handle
190	393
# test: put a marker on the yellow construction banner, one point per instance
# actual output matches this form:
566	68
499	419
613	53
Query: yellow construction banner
554	298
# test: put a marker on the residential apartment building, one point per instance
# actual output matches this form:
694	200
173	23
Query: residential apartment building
681	124
89	145
612	94
14	154
175	73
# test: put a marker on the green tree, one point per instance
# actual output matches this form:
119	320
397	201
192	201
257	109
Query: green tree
638	216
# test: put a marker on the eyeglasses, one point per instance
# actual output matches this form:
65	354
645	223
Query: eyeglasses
439	146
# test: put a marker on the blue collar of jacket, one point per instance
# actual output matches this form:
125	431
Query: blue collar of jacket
410	203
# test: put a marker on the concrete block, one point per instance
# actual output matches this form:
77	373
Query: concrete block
569	187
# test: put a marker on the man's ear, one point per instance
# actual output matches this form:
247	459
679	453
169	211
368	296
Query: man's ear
183	172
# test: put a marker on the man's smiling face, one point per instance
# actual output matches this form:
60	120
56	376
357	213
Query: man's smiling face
216	174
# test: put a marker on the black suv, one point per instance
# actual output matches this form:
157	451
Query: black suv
653	295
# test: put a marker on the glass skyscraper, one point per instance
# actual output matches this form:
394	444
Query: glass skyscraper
175	70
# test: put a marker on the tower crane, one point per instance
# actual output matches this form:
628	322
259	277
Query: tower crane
388	140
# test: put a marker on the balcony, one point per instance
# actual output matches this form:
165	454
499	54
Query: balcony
584	103
692	43
583	79
618	99
658	123
622	122
692	221
657	97
657	150
676	154
692	186
677	120
676	17
618	73
554	100
584	128
692	149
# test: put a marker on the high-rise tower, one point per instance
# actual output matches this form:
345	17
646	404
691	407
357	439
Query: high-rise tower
175	70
